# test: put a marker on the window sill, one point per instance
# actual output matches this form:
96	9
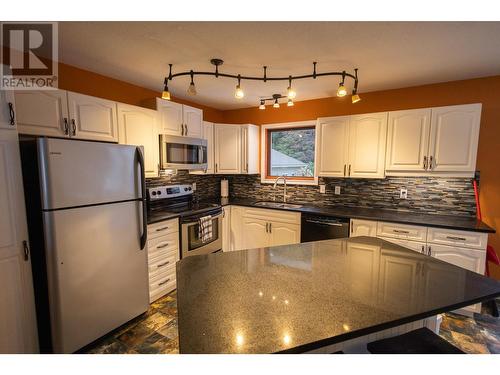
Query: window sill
313	182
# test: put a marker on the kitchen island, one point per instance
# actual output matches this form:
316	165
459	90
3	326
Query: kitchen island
313	296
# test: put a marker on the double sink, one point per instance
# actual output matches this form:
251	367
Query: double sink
278	205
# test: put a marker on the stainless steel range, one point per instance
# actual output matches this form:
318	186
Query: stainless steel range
163	201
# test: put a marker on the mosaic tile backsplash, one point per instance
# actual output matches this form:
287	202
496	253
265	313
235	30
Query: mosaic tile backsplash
430	195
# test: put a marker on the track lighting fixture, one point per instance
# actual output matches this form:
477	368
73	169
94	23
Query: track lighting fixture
239	94
192	88
289	103
290	91
355	97
165	94
262	105
342	91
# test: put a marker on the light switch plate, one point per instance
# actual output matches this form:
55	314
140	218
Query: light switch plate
322	189
194	186
337	190
403	193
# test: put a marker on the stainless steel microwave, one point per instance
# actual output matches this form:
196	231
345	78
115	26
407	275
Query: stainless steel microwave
182	152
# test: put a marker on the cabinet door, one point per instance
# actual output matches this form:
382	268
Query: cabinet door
226	229
227	149
92	118
193	120
454	138
407	140
7	110
472	260
42	112
283	233
17	311
255	233
363	271
170	117
332	145
138	126
363	228
367	140
398	285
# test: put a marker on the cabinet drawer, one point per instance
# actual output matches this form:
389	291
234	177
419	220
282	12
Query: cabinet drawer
161	263
272	215
163	227
163	243
401	231
162	284
474	240
413	245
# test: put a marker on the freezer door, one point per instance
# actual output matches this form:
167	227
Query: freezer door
97	274
78	173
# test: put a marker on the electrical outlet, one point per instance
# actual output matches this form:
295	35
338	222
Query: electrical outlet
403	193
322	189
194	186
337	190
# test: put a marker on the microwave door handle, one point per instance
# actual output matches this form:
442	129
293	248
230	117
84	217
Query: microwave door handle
144	235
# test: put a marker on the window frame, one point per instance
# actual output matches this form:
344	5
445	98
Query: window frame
265	152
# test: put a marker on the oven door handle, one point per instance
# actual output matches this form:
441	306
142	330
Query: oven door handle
197	220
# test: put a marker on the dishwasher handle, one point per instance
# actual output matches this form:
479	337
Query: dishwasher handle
333	224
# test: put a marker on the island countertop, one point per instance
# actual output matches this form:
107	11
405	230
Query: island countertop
300	297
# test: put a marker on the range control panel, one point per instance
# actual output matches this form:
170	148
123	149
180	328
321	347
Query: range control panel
169	191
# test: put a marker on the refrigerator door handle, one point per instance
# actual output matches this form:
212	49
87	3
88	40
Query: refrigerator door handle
144	235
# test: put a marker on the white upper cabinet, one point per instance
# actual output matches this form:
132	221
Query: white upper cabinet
92	118
17	310
139	127
170	117
333	142
227	149
250	149
42	112
408	140
367	141
179	119
7	110
438	141
193	121
454	138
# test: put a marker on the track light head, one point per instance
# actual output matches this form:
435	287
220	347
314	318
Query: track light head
276	104
165	94
291	93
262	105
341	91
290	103
355	97
192	88
238	93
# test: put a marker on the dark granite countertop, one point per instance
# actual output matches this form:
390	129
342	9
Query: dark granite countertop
301	297
441	221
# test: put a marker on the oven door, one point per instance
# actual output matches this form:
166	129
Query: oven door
183	152
191	242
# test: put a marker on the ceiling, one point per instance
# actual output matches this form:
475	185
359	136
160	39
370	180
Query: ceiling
388	54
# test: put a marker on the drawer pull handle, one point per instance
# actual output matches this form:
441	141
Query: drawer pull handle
162	246
456	238
163	264
423	249
400	231
429	251
163	282
161	229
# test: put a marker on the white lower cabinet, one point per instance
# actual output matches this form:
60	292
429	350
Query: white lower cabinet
163	253
363	228
257	227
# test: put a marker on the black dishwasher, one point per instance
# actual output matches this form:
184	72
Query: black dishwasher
317	228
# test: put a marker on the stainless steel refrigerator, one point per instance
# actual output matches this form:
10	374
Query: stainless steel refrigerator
87	223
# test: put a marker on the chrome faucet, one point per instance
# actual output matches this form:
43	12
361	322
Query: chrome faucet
284	188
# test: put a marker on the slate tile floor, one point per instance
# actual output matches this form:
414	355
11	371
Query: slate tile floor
155	332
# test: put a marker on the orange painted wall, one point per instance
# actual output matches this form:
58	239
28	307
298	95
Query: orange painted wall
482	90
90	83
